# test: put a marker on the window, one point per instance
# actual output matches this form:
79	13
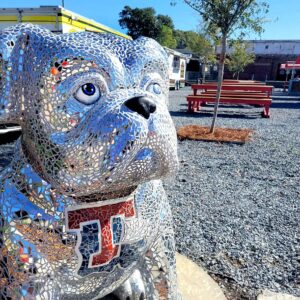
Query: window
176	61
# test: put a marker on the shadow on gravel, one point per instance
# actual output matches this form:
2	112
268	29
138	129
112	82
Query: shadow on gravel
286	105
209	114
225	106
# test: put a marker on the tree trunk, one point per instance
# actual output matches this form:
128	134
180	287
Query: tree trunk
238	76
220	79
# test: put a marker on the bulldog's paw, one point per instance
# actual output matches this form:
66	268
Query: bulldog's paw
132	289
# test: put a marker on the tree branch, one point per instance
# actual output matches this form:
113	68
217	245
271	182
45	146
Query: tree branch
239	10
200	11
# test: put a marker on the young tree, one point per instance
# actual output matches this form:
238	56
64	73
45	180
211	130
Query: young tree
224	17
239	58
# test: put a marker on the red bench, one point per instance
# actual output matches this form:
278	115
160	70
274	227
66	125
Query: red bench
253	94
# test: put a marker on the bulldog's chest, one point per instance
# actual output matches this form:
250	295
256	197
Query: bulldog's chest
108	234
84	238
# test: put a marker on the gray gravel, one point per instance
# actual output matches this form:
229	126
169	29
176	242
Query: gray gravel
236	208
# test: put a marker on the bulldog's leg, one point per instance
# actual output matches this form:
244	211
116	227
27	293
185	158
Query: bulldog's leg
159	269
160	261
132	289
157	278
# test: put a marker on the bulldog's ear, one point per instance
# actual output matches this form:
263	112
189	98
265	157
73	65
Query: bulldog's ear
13	42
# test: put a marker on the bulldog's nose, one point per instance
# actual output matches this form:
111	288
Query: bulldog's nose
141	105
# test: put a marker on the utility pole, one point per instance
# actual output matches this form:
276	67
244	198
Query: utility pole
63	3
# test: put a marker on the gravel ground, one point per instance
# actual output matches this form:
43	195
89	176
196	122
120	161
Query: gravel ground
236	207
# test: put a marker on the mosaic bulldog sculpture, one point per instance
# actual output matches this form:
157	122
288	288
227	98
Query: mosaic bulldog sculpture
83	212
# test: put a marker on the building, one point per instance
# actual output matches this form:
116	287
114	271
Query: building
270	54
196	69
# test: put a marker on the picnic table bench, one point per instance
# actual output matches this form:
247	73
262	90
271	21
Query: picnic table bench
250	94
234	81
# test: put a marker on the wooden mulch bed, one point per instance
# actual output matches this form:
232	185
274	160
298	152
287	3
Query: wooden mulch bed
201	133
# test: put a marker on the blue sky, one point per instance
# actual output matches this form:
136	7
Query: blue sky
284	21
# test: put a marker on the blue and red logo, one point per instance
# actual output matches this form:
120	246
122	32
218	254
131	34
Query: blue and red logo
100	231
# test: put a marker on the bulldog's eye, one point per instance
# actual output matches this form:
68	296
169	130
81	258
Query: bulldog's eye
88	93
154	88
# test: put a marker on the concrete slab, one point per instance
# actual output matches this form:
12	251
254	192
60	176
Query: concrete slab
194	283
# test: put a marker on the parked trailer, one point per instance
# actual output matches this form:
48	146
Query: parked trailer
177	68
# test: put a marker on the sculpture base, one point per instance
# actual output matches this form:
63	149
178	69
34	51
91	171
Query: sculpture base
194	283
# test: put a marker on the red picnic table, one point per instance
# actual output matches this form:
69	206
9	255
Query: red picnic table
251	94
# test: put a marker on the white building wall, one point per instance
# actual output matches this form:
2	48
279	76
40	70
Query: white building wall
269	47
275	47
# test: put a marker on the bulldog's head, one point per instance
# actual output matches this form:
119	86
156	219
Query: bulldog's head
93	108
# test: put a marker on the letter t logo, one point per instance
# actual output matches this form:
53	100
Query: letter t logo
99	230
